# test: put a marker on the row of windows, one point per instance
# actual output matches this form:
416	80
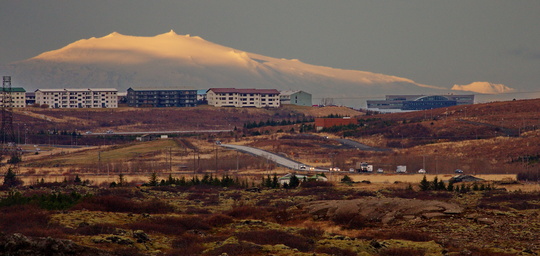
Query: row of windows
76	93
163	92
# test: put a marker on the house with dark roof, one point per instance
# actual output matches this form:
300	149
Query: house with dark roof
241	98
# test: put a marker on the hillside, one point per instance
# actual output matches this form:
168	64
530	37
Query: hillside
38	125
500	137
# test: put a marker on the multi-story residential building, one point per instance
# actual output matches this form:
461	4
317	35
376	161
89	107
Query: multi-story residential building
78	98
300	98
420	102
17	94
161	97
241	98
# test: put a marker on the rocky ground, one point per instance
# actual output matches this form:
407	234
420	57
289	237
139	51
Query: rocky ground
316	218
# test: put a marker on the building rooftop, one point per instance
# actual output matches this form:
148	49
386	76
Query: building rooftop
14	89
79	90
161	89
291	92
234	90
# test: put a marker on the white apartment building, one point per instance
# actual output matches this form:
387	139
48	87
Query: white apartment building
78	98
241	98
18	97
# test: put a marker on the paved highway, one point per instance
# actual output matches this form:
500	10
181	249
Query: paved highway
280	160
358	145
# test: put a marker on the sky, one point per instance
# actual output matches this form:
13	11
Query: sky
438	43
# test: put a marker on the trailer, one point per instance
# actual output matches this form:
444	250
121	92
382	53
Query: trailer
401	169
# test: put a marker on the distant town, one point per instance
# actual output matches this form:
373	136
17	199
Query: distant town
190	97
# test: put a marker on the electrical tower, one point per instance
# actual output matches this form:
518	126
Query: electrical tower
9	147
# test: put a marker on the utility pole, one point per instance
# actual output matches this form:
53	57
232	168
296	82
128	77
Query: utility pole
6	130
216	156
170	159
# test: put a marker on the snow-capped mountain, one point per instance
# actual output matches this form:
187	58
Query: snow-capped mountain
171	60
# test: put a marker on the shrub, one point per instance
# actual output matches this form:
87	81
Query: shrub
314	184
401	251
241	248
170	225
52	201
311	232
351	220
29	220
335	251
274	237
127	252
415	236
186	244
120	204
244	212
219	220
96	229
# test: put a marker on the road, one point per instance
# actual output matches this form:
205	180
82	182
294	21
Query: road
280	160
355	144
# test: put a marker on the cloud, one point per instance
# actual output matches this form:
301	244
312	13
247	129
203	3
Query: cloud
483	87
525	53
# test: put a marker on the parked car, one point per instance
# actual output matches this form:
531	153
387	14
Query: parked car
458	171
380	170
302	167
109	132
422	171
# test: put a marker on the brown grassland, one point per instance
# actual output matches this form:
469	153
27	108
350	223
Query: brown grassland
184	195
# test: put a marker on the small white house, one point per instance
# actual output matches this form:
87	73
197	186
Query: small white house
299	98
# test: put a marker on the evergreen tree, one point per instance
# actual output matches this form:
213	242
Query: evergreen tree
121	180
346	179
11	179
268	182
450	185
153	181
482	187
441	185
294	181
424	184
435	184
77	179
275	182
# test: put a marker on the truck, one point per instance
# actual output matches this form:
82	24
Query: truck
401	169
364	167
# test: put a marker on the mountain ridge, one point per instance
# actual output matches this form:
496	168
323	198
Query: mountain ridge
170	60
